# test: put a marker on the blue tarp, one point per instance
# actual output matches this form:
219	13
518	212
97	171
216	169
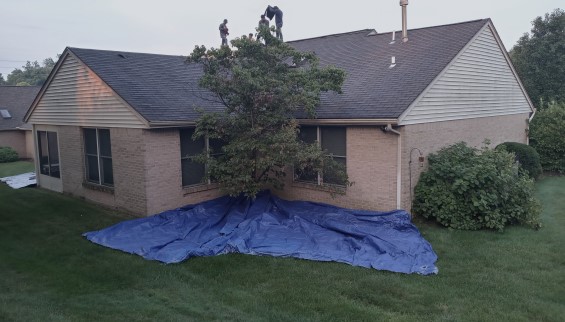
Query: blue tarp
272	226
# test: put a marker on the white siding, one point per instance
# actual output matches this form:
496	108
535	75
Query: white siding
478	83
77	96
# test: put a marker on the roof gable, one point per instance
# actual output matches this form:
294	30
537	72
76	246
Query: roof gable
479	82
74	95
372	88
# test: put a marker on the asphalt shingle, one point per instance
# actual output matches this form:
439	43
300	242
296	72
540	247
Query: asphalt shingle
164	88
17	100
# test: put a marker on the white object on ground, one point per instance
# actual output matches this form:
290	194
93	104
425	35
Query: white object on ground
21	180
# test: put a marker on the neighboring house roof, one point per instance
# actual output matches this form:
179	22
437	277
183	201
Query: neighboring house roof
163	88
16	100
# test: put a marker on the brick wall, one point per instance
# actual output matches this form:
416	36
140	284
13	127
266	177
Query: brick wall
431	137
163	173
371	165
71	154
147	166
128	162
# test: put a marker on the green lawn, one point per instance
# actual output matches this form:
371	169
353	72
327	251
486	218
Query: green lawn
13	168
49	272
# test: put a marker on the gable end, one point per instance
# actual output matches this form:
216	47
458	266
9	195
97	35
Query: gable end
76	96
479	82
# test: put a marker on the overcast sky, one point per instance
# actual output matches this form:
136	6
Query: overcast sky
37	29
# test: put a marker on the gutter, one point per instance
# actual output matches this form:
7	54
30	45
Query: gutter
388	128
347	121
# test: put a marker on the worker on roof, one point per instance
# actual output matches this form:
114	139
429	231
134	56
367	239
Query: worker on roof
224	32
263	23
278	14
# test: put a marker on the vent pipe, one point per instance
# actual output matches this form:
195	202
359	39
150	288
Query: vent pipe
404	4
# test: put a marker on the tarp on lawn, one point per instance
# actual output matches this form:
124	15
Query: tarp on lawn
272	226
20	181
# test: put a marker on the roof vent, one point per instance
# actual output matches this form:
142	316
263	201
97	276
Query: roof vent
392	62
123	56
372	33
393	36
5	114
404	4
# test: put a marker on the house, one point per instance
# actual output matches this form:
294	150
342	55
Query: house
14	103
118	124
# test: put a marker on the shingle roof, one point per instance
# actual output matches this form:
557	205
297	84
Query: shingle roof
17	100
164	88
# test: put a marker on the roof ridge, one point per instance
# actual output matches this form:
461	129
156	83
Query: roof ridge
449	24
122	52
368	30
335	35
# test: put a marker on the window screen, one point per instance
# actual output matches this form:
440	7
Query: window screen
192	172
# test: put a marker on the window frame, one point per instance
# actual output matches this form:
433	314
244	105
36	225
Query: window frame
99	157
320	180
187	157
48	154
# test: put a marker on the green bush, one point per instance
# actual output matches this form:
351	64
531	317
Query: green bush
526	155
7	154
466	188
547	136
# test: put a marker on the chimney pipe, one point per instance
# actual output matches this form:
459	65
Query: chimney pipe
403	4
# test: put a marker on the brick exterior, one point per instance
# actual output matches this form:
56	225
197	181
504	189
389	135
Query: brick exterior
147	166
147	171
430	137
371	165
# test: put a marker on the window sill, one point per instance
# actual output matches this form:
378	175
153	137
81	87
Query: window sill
198	188
331	188
97	187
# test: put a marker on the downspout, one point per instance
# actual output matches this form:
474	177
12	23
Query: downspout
388	128
528	128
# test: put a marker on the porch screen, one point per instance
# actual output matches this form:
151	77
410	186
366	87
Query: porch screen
48	148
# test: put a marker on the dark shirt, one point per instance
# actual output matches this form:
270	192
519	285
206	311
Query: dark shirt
223	30
275	12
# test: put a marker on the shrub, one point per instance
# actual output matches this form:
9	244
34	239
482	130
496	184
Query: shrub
465	188
7	154
547	136
526	155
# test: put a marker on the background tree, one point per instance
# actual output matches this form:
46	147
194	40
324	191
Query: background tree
2	80
262	87
32	73
539	59
547	136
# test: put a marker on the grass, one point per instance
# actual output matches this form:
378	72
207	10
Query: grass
13	168
48	272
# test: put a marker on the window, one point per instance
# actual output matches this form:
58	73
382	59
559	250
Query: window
194	172
332	140
48	149
98	156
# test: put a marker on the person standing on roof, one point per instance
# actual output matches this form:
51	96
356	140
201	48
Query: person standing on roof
263	23
278	14
224	32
